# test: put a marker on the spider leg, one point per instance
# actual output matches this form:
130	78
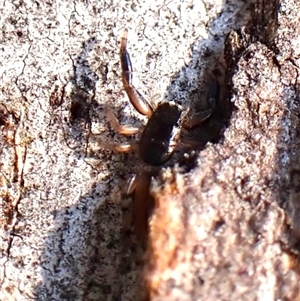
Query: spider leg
190	121
135	97
115	147
196	119
121	129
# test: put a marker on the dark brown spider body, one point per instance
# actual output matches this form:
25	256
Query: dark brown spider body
160	135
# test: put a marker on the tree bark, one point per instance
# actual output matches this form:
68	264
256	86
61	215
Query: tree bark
225	224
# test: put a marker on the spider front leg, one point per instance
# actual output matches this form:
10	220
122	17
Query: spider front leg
137	100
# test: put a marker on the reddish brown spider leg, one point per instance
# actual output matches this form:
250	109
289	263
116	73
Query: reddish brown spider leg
212	97
196	119
121	129
121	148
126	205
137	100
131	185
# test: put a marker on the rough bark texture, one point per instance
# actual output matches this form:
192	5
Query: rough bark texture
229	230
226	221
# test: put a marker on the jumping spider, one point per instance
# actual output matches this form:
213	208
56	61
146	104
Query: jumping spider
158	141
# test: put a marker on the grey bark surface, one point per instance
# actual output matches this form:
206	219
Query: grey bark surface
226	229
